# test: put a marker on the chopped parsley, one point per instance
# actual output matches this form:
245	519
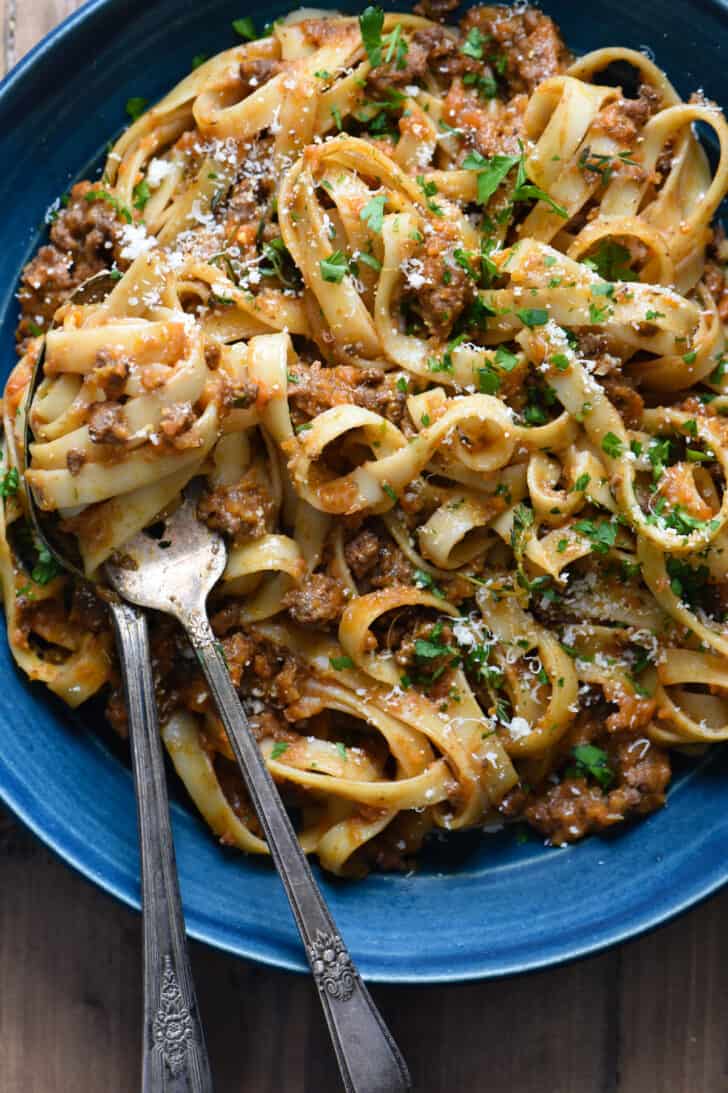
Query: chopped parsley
369	260
141	194
245	28
598	314
603	165
371	22
602	534
339	664
483	83
281	265
611	261
373	213
593	762
46	567
688	582
136	106
505	359
397	48
429	189
9	482
612	445
493	171
533	316
473	44
659	453
279	748
488	380
427	582
334	267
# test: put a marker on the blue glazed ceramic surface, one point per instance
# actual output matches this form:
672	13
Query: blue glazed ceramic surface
480	905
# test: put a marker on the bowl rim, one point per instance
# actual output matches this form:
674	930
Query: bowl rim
61	844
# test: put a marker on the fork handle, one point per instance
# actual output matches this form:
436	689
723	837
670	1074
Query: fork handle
174	1055
368	1057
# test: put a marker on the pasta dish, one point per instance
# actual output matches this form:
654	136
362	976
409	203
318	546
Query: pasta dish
436	312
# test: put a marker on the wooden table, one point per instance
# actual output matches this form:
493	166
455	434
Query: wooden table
650	1017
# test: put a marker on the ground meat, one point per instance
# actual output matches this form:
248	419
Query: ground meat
242	396
435	9
75	459
314	388
596	347
110	372
249	199
575	807
526	39
88	611
447	289
287	683
243	511
495	128
361	553
45	283
83	241
431	48
393	849
621	391
445	57
175	419
107	424
319	600
393	567
406	654
116	712
255	71
213	354
269	725
408	70
714	278
233	788
238	649
624	118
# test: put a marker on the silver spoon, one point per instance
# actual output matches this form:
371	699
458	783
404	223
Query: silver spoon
174	574
174	1054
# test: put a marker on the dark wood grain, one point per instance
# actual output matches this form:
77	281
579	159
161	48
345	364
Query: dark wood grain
647	1018
650	1017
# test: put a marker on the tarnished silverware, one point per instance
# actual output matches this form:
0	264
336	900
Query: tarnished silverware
174	573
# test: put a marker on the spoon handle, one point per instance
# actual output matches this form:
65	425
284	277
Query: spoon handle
368	1057
174	1055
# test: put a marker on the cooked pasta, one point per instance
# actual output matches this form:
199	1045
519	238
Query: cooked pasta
437	314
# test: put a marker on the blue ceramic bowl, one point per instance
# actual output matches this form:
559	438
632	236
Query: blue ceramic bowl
480	905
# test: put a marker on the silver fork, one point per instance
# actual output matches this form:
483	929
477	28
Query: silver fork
174	1054
174	574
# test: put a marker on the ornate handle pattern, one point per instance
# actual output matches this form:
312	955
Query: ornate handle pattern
368	1057
174	1055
